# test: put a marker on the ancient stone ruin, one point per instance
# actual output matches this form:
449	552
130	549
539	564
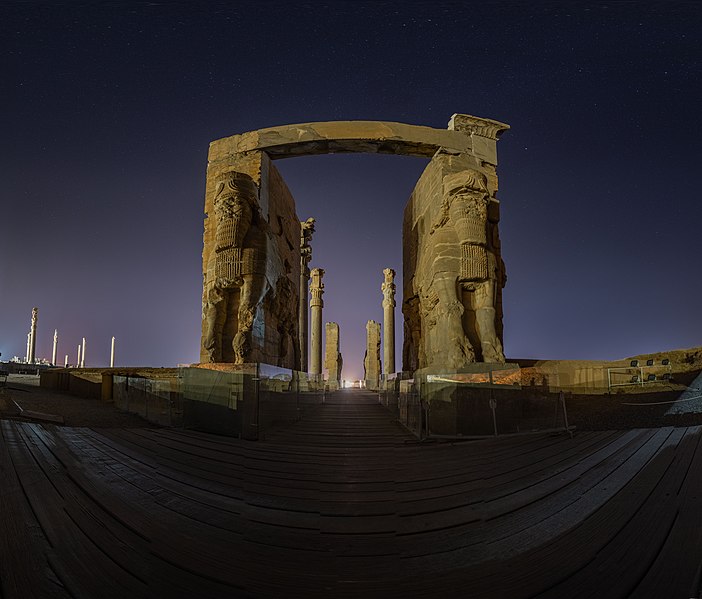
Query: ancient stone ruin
333	361
371	360
256	250
388	289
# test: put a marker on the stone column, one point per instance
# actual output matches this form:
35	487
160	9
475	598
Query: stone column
316	305
332	356
82	354
33	336
371	363
26	355
78	358
112	354
53	351
388	289
306	230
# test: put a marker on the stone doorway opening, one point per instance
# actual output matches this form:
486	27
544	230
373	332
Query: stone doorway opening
451	247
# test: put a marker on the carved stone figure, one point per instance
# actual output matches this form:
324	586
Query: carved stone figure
236	290
282	304
465	210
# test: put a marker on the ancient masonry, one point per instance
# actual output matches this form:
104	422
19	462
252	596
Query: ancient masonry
388	289
32	337
452	265
332	356
306	231
316	305
256	252
371	361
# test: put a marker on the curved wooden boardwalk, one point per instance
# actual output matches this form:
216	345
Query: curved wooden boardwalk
344	504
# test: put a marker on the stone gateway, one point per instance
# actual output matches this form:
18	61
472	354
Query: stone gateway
256	249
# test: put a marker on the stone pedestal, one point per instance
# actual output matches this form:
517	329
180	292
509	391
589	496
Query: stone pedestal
388	289
332	357
316	305
371	362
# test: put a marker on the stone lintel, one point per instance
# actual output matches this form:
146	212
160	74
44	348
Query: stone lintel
344	136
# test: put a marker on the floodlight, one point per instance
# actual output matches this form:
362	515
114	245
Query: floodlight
634	363
635	378
651	377
665	362
667	376
649	362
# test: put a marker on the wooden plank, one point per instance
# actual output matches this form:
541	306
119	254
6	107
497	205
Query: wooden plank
25	570
76	559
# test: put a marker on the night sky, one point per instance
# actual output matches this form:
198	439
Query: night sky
107	110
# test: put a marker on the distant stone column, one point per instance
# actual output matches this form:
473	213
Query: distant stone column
371	362
332	356
78	358
316	305
65	361
112	354
53	351
33	336
388	289
306	230
26	355
82	354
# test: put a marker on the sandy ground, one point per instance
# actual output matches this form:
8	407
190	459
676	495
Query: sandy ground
631	410
24	390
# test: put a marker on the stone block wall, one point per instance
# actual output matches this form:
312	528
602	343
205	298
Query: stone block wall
251	263
453	272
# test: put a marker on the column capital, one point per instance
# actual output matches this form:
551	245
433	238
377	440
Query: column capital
316	287
306	231
388	288
477	126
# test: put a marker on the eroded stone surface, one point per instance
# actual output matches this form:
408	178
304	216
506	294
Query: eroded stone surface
371	361
333	361
306	231
256	251
350	136
388	289
452	264
251	265
316	305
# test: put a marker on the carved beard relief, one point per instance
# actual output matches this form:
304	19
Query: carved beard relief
233	222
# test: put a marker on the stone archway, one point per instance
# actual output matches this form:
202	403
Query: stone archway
453	271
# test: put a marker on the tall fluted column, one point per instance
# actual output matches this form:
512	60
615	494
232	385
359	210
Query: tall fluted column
33	336
388	289
306	230
316	305
112	354
53	351
82	354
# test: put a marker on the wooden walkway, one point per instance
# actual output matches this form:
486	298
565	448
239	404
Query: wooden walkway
358	513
